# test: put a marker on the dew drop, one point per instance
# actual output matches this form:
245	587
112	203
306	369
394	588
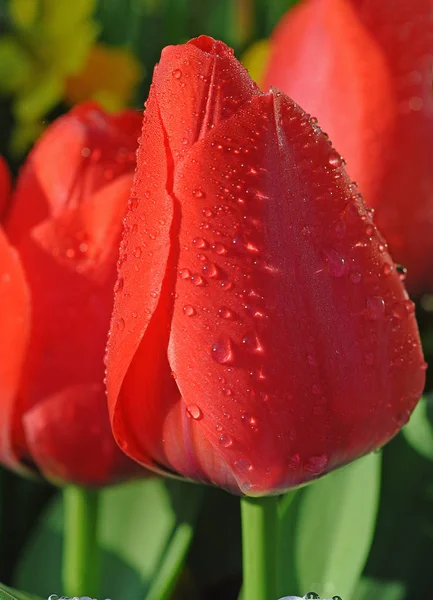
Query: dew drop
198	193
194	412
225	440
185	273
402	272
120	324
375	307
207	212
249	420
219	248
226	285
335	159
198	280
177	73
311	596
335	263
118	286
222	351
225	313
355	277
243	465
211	270
227	391
138	252
200	242
387	269
402	309
369	230
189	310
316	464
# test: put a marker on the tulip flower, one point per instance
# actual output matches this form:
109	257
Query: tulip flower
364	69
261	334
57	271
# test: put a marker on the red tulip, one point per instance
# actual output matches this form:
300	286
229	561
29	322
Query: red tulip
261	335
58	271
364	68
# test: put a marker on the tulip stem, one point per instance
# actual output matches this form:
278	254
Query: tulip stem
259	547
80	550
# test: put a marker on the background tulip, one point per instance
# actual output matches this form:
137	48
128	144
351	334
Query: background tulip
364	70
261	335
58	271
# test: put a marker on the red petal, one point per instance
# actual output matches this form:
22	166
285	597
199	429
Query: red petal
5	185
14	327
77	155
404	201
290	290
69	438
70	266
323	58
204	84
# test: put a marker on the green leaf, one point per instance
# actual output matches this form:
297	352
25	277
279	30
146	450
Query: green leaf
7	593
335	528
369	589
419	431
145	531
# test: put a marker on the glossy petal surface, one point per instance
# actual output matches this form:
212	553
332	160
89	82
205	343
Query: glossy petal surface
266	288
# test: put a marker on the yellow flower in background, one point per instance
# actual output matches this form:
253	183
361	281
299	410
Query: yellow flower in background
255	60
49	41
51	56
109	76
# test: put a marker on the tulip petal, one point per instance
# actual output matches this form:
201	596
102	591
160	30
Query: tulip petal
206	84
14	327
141	318
325	59
70	268
404	33
290	289
69	438
99	149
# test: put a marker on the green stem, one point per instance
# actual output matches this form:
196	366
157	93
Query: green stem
259	547
80	550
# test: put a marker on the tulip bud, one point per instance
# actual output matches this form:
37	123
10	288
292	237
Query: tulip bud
261	335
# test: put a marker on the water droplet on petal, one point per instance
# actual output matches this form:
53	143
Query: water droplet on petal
198	280
316	464
335	159
137	252
189	310
225	312
177	73
200	242
335	262
387	269
185	273
193	411
225	440
198	193
219	248
375	307
120	324
222	351
243	465
355	277
118	286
